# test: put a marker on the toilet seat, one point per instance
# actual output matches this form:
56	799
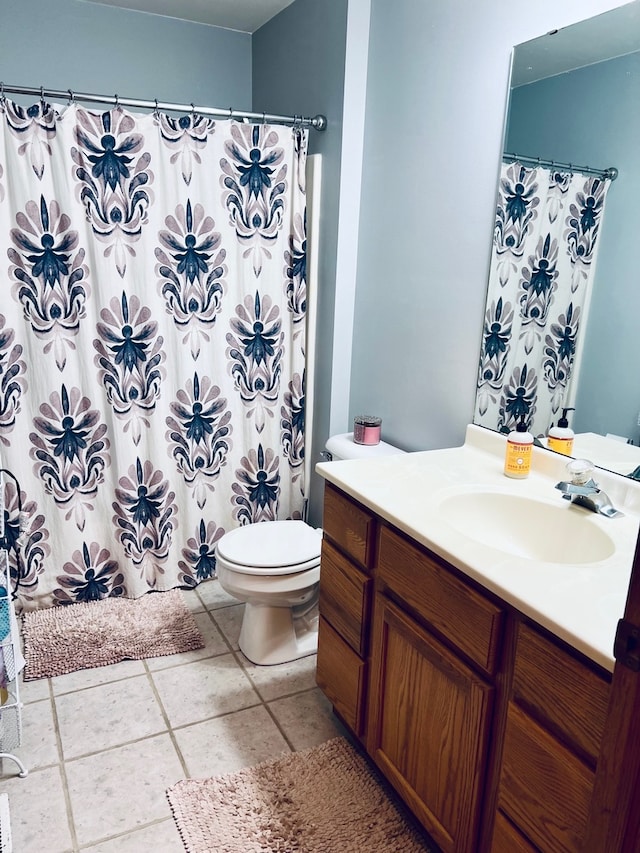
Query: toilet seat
271	548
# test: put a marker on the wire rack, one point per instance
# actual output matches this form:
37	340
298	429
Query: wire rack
10	656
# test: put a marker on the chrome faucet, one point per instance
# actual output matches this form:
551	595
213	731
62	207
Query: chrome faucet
583	490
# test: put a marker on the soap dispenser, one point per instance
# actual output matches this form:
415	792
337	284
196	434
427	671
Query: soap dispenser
560	438
517	460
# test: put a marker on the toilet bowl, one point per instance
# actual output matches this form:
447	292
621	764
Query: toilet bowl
274	568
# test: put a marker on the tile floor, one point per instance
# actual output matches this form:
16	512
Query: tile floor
102	745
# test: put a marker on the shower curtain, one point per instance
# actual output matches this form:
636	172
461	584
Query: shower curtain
542	268
152	341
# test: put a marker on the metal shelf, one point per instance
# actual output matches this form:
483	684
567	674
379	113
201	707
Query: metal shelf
10	659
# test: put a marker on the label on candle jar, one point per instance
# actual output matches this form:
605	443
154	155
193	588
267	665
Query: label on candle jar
366	429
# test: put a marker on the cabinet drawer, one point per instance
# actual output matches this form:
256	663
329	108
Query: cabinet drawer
561	691
340	674
544	789
348	525
469	621
345	596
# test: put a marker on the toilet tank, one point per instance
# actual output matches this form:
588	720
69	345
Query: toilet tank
344	447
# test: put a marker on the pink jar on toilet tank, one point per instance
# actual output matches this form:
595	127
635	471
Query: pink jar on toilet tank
366	429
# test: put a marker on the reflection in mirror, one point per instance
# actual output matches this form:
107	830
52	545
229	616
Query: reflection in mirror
563	303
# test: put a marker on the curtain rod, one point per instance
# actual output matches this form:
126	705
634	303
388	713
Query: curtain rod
319	122
611	172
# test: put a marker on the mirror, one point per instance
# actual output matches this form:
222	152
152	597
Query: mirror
574	96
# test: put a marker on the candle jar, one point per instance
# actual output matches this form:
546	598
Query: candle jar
366	429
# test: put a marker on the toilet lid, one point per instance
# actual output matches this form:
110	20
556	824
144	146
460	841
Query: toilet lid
272	545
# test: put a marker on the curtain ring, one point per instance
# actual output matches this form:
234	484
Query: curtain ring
155	110
117	101
71	96
42	95
230	113
264	118
3	97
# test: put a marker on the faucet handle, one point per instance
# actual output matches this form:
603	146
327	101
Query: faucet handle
580	471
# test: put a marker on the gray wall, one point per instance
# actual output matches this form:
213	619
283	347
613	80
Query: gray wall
87	47
298	63
436	96
557	119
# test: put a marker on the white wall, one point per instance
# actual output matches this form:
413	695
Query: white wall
436	94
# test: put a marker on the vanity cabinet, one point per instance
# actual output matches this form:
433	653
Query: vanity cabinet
486	725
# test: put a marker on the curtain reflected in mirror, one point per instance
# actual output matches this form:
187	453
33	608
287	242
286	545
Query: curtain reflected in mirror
543	259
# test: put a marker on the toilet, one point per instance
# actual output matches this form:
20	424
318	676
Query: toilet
274	567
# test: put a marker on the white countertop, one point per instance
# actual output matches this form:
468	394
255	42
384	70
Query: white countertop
580	603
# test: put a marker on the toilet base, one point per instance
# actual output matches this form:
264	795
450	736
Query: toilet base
271	635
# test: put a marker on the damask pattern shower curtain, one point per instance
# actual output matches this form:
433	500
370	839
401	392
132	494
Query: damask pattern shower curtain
542	267
152	336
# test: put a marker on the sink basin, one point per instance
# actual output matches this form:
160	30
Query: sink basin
528	528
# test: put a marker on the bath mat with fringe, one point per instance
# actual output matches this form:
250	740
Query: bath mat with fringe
98	633
320	800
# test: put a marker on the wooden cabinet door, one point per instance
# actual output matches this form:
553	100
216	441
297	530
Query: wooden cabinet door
429	717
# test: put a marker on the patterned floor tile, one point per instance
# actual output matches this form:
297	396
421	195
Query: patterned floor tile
96	675
160	838
108	715
38	812
229	620
229	743
39	745
307	719
123	789
204	689
273	682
